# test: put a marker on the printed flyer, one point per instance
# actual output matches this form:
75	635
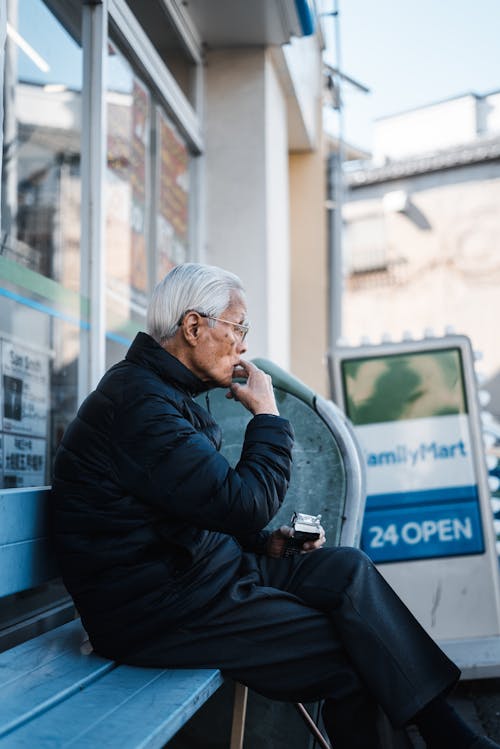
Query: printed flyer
25	412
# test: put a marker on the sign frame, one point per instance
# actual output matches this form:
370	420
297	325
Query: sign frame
458	596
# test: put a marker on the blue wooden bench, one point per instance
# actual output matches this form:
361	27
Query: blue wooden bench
55	692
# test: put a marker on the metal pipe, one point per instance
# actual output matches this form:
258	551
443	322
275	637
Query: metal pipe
336	198
312	726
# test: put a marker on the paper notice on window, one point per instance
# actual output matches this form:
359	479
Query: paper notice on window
23	461
25	390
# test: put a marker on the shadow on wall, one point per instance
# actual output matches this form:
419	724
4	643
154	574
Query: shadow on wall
419	219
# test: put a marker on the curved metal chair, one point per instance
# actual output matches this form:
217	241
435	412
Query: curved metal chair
328	468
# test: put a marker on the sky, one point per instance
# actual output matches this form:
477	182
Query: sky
412	53
407	53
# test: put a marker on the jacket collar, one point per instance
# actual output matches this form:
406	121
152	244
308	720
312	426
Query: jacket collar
146	352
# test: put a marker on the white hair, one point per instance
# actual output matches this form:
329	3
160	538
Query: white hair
190	286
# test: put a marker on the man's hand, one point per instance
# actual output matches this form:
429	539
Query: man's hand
277	542
256	394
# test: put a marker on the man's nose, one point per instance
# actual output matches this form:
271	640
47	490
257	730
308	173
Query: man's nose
242	347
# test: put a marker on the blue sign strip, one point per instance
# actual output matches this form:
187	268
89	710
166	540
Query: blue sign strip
426	496
44	308
77	322
422	531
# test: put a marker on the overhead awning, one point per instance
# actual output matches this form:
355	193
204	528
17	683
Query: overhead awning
229	23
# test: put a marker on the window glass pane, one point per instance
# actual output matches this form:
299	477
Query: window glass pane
43	319
127	197
172	210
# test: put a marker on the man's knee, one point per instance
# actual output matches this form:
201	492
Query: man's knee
331	570
350	559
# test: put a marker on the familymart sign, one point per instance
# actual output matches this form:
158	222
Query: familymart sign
411	416
421	486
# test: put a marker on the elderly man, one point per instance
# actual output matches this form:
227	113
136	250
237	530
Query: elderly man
162	546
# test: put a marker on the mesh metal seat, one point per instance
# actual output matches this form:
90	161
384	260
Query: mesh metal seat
327	474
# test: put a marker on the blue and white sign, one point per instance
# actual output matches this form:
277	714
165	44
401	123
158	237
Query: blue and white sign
428	522
410	416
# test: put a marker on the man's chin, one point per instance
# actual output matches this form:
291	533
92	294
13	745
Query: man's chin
226	380
222	382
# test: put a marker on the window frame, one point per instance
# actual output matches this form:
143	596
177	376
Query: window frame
113	20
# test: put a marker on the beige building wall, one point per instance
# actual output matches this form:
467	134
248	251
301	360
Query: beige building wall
309	282
442	262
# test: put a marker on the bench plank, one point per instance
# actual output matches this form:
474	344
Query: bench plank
40	673
127	708
28	655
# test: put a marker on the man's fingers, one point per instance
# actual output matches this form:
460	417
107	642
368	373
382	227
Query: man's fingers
247	366
233	391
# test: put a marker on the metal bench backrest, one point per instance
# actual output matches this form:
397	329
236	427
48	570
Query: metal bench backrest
327	474
26	559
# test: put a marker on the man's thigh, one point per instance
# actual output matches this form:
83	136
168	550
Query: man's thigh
265	638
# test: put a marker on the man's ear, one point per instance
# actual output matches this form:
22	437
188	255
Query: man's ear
191	328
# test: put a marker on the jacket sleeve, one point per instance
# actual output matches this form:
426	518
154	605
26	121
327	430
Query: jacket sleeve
168	464
256	542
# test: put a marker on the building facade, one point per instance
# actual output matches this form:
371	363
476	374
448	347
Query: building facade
422	229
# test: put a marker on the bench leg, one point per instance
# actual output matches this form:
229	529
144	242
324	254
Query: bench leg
239	713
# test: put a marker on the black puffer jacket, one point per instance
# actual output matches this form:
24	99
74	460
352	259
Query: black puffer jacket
146	511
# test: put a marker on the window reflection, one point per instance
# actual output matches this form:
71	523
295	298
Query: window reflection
41	309
42	132
141	247
172	212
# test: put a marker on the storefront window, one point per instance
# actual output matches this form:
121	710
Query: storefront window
127	197
43	317
147	201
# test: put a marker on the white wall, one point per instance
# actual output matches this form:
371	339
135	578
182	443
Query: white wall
304	68
491	105
277	220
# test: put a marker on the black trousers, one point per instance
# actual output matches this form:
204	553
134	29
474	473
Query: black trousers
322	625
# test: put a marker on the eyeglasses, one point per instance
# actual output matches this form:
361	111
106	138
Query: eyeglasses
240	330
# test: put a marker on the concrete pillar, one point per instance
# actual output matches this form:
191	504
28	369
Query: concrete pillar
246	189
